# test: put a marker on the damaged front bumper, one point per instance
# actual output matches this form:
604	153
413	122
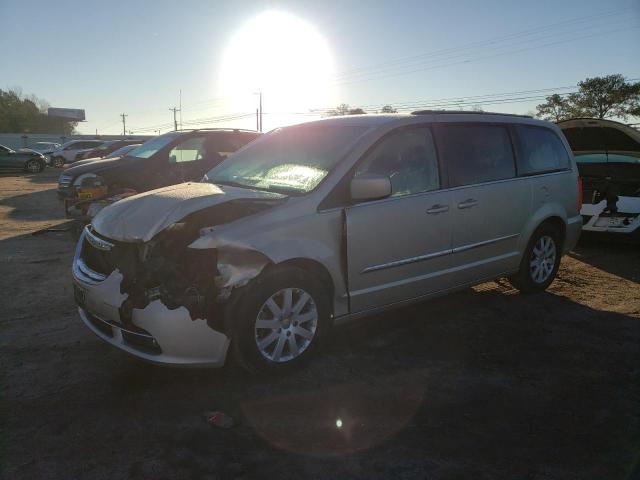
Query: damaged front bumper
154	333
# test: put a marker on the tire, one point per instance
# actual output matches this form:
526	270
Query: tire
34	166
262	339
540	261
57	162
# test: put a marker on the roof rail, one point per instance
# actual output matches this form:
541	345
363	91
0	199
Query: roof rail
213	129
467	112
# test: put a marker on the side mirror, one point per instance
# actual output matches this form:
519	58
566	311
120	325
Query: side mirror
370	186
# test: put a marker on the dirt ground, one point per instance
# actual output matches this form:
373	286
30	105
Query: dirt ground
483	384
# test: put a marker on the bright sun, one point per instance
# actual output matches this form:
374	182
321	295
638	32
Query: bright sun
286	59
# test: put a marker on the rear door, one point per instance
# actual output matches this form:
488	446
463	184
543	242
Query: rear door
489	205
399	247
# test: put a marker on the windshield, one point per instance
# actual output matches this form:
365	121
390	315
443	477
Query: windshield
122	151
288	160
150	147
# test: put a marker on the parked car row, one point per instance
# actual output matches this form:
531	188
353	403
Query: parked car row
27	161
312	225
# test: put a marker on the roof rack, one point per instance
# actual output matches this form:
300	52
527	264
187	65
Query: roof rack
467	112
213	129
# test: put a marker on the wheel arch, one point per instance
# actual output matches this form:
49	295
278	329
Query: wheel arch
313	267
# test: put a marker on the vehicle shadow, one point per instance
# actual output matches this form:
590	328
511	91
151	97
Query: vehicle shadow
48	175
480	381
614	256
41	205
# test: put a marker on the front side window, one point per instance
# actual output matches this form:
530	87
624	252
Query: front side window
290	160
191	150
475	153
540	150
408	158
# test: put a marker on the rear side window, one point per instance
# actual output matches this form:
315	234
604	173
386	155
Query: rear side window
539	151
475	153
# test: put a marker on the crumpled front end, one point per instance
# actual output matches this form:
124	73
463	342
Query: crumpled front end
151	306
141	286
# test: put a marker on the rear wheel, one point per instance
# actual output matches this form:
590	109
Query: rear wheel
57	162
540	261
279	320
34	166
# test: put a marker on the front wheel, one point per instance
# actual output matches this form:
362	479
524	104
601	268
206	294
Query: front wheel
57	162
34	166
279	319
540	261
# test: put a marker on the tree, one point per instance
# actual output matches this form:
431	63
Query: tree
344	109
20	114
610	96
597	97
555	108
388	109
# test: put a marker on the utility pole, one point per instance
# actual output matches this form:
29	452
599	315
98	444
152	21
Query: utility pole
180	110
124	124
257	120
259	113
260	106
175	119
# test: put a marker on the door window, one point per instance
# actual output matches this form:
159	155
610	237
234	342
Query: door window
475	153
540	150
191	150
408	158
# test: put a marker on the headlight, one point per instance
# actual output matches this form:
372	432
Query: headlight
87	180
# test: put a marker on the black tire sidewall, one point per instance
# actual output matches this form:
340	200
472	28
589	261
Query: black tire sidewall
251	299
526	283
40	167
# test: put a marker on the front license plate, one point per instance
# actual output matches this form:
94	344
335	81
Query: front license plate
80	295
610	222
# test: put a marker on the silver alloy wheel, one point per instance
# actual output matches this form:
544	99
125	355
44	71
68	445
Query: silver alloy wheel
58	162
286	325
33	166
543	259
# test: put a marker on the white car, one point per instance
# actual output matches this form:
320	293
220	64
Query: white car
67	152
608	158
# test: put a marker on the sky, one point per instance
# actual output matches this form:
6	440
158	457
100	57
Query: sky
135	57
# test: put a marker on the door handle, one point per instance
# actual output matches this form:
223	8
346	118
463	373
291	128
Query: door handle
468	203
438	209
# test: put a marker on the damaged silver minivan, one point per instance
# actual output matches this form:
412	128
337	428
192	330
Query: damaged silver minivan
323	222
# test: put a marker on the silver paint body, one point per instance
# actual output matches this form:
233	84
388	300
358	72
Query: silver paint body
399	250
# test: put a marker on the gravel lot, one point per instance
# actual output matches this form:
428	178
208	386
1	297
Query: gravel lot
483	384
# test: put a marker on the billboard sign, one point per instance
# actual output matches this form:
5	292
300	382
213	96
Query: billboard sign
73	114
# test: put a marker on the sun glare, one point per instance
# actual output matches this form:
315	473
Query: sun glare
286	59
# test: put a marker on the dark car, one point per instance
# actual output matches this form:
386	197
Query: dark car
168	159
106	148
26	161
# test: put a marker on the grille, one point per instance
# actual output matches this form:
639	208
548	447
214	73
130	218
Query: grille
64	181
133	336
103	260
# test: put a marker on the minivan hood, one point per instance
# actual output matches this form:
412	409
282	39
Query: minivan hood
140	217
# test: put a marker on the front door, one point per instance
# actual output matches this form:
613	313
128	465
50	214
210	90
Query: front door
399	247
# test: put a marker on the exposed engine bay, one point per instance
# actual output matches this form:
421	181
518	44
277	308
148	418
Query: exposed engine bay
166	269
